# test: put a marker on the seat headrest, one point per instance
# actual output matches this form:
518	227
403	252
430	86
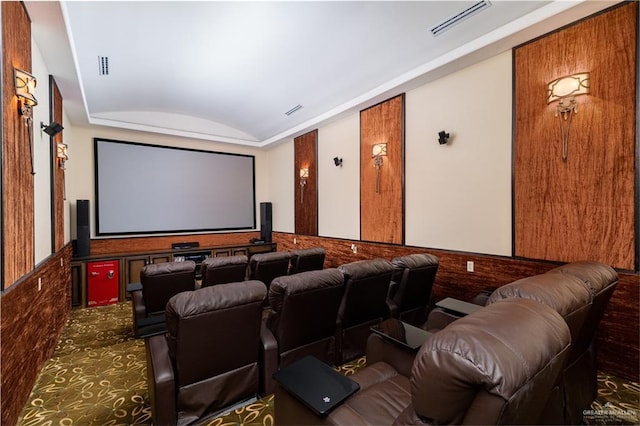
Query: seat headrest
364	268
301	282
154	269
270	257
418	260
213	262
564	293
190	303
598	276
499	349
315	251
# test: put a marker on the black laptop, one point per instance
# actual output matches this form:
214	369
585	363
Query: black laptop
315	384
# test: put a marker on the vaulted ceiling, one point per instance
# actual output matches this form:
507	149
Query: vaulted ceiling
233	71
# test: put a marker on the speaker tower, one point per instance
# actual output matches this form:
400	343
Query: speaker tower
82	228
265	222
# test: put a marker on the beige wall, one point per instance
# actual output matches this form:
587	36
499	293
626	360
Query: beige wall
458	196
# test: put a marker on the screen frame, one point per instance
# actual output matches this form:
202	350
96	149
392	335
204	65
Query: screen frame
98	233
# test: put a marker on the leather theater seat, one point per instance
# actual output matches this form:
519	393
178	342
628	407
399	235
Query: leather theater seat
159	282
411	287
302	318
209	357
363	304
580	375
224	269
267	266
303	260
495	366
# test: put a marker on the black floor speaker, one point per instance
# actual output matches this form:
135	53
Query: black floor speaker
265	222
82	228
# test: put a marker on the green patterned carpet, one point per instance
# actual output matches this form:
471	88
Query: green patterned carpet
97	376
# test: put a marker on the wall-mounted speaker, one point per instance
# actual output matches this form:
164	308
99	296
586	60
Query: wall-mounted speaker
265	222
82	228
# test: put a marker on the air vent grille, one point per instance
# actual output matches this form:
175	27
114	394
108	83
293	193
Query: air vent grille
103	65
459	17
294	109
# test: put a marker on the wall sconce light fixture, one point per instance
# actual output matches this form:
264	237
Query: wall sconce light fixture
337	161
61	154
564	90
51	129
443	137
304	175
378	151
25	85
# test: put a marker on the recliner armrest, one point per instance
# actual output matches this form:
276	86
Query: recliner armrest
139	310
269	359
161	381
382	350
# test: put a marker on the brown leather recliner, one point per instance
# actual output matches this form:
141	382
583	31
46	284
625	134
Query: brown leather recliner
411	287
570	297
580	375
224	269
209	358
311	259
267	266
159	282
363	304
302	319
495	366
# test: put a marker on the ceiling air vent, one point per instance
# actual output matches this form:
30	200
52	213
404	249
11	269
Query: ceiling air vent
294	109
103	65
459	17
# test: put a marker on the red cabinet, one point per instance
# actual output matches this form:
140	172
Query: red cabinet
102	282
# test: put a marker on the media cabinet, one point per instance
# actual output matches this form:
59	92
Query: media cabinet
130	264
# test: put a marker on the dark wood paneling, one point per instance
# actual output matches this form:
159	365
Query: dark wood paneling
58	174
31	322
110	246
582	208
382	212
617	339
17	180
306	196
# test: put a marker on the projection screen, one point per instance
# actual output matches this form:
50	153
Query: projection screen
143	189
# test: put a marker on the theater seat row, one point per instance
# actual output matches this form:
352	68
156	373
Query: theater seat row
216	339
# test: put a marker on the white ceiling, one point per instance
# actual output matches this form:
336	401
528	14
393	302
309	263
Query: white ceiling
228	71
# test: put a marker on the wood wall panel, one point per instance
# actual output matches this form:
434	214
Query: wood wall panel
583	208
109	246
57	172
617	338
382	213
31	323
17	180
306	197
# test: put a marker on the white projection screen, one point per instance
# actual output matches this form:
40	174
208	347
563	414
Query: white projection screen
144	189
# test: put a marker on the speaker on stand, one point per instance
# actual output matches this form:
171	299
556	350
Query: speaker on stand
82	228
265	222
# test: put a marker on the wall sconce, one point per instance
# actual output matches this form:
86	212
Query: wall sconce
337	161
304	175
51	129
378	151
564	90
61	154
25	85
443	137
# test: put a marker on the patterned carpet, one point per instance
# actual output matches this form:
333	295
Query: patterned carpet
97	376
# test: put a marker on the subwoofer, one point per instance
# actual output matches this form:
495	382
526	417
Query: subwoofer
82	228
265	222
